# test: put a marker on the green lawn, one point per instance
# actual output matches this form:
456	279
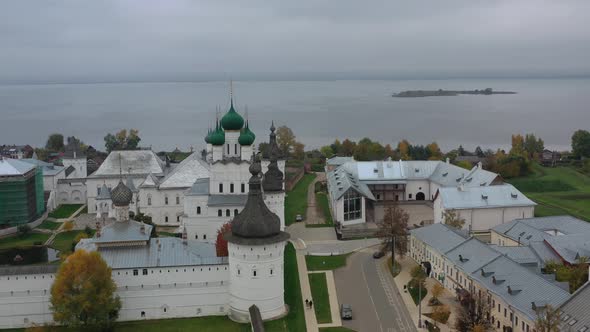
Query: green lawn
63	241
320	297
415	292
29	240
295	320
64	210
50	225
296	199
558	191
320	263
201	324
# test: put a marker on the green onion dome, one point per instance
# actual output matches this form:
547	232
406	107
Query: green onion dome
232	120
208	136
247	137
217	137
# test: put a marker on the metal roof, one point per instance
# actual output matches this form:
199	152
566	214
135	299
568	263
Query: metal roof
337	160
48	169
439	236
520	254
344	178
200	187
471	255
28	269
227	200
576	310
132	162
186	173
162	252
483	197
10	167
526	287
124	231
149	182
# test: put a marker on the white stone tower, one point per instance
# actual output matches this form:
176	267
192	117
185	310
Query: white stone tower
256	257
274	193
75	158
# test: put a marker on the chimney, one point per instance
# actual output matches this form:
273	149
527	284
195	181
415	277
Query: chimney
479	165
184	236
142	228
448	161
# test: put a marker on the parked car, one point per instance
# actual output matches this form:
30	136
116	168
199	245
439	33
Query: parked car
345	311
299	218
378	254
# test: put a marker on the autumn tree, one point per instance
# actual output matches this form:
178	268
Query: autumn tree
285	139
122	140
517	145
336	147
404	149
436	291
533	146
394	227
327	151
55	143
476	311
220	242
346	148
298	151
581	144
434	152
83	293
479	152
440	313
548	319
453	219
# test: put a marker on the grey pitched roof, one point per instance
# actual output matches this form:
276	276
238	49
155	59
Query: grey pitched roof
526	287
28	269
125	231
227	200
150	181
563	237
483	197
10	167
439	236
199	188
104	193
474	253
578	310
337	160
130	185
70	170
543	251
520	254
48	169
162	252
186	173
134	162
345	178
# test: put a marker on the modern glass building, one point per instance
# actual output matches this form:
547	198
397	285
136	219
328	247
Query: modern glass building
21	192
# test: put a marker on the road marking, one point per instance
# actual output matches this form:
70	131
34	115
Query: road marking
371	297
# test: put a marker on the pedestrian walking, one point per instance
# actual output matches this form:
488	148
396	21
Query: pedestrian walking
306	303
310	304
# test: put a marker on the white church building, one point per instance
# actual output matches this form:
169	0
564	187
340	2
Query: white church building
170	277
202	192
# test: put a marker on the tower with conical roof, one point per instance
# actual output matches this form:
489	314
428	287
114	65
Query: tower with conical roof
256	256
272	183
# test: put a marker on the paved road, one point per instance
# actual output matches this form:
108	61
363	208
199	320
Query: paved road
368	287
313	215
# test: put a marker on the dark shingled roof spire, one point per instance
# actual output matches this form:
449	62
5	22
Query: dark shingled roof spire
273	178
256	224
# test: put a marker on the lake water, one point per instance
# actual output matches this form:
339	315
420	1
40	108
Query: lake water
171	115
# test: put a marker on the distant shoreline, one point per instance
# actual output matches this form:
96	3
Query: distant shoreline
449	93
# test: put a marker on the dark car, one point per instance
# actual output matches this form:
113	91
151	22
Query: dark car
378	254
346	311
299	218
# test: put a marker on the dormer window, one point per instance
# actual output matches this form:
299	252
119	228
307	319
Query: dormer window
514	195
483	196
445	174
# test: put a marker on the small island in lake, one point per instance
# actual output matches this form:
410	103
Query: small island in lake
445	93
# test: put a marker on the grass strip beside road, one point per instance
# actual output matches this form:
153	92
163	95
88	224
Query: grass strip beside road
321	263
320	297
296	199
64	211
26	241
50	225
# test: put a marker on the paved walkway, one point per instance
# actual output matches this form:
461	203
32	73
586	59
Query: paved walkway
314	216
310	319
446	298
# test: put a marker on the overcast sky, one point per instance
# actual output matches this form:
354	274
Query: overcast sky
89	40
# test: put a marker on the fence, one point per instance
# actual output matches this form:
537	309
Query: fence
295	174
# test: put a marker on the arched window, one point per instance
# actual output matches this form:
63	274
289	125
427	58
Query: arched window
243	187
204	236
198	210
177	200
235	149
166	218
178	218
219	213
166	200
228	149
196	236
149	199
235	212
231	187
221	187
227	213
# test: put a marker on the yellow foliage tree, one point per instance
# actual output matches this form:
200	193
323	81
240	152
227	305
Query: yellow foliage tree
434	150
68	225
83	294
437	290
404	149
